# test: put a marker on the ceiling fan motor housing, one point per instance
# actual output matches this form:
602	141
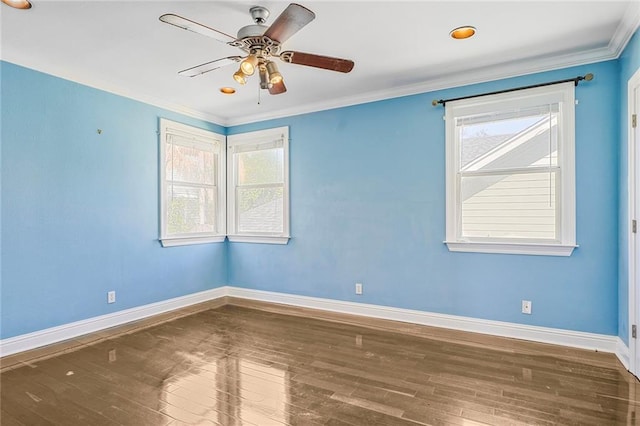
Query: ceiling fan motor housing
251	37
251	31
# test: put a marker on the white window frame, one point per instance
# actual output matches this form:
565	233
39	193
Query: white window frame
564	94
168	127
261	137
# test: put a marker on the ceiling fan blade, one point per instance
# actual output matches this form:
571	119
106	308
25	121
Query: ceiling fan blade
277	88
187	24
210	66
317	61
289	22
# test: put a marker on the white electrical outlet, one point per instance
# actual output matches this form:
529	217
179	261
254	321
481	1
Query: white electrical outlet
111	297
358	288
526	307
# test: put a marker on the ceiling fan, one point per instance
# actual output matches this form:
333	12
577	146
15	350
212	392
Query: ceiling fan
261	43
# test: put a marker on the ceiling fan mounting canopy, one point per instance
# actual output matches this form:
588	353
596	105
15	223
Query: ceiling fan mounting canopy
259	14
261	42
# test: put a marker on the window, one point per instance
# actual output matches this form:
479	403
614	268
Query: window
192	190
510	180
258	186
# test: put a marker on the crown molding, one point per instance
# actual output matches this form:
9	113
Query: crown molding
446	81
109	87
625	30
627	27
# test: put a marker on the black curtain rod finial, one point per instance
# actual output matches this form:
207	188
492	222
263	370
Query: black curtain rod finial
588	77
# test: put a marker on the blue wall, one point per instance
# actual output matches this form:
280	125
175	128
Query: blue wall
629	63
80	209
367	204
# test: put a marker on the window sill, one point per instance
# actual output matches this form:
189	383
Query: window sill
186	241
511	248
258	239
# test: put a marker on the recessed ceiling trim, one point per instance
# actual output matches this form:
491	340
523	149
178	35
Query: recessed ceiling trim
463	33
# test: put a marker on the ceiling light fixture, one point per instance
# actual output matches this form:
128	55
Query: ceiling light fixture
264	77
248	66
270	77
240	77
227	90
261	44
274	75
277	88
461	33
18	4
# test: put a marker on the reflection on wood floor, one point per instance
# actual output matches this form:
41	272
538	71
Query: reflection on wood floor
233	365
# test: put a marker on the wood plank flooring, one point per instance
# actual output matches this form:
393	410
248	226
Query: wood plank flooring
275	365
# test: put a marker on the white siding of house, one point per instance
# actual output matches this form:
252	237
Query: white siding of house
514	206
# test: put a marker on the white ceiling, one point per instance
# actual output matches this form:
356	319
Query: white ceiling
398	48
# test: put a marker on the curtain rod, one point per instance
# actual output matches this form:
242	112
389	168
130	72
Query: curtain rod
576	80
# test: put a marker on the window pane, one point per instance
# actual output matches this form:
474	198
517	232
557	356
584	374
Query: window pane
190	164
190	209
168	160
257	167
260	209
509	206
509	139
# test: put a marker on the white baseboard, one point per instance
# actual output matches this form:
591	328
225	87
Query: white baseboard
576	339
57	334
622	352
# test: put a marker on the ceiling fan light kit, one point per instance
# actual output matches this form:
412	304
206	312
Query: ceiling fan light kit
264	77
240	77
249	64
272	71
261	43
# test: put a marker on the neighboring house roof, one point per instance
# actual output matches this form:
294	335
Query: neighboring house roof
475	147
522	149
265	217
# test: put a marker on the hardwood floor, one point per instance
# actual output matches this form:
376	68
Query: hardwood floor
236	365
